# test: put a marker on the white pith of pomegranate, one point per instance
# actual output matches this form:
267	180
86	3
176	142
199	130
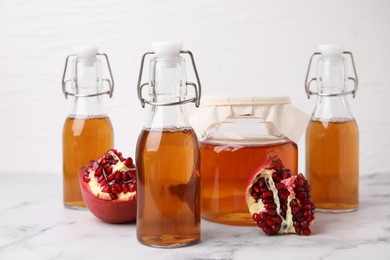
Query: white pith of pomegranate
108	187
279	202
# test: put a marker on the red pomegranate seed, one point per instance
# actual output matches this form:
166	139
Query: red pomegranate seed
261	224
256	217
113	196
255	188
129	163
106	188
132	187
125	176
98	172
118	176
307	231
111	177
270	206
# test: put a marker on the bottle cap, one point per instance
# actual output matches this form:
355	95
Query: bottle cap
331	49
86	54
167	49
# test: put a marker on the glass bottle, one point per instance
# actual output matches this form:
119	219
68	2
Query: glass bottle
167	154
332	136
230	153
87	132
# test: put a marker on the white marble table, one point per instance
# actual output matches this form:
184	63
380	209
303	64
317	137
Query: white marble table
35	225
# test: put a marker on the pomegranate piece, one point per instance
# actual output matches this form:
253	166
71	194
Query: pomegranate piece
278	201
108	186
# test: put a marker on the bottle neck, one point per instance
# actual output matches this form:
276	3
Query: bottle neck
167	117
332	108
88	107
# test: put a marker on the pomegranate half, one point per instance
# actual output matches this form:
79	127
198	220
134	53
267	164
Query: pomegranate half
278	201
108	186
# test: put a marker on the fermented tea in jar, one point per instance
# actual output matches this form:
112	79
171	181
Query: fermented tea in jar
332	136
167	155
87	132
236	135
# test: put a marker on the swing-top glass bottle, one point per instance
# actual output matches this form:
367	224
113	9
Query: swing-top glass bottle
332	136
167	156
87	132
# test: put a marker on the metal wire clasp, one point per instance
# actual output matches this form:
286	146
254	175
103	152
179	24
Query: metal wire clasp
354	79
197	88
66	81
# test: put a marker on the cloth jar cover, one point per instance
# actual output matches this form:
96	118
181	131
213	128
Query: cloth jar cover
288	119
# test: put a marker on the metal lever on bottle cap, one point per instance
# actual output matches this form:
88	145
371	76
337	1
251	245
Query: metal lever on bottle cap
331	50
161	50
86	54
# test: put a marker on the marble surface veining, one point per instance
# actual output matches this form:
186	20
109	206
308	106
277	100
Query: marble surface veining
35	225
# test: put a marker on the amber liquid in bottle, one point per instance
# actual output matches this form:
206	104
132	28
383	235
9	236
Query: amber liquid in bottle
332	164
168	187
225	171
84	139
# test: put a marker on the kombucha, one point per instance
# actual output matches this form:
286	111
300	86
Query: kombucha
168	187
225	171
332	164
84	139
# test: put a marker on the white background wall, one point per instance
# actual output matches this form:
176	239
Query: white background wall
249	47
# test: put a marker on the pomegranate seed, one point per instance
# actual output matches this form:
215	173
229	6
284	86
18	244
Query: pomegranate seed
125	188
305	224
269	200
296	224
256	217
255	188
307	231
261	224
132	173
255	196
261	182
269	222
108	169
275	228
284	194
267	230
270	212
132	187
103	162
101	178
118	188
267	194
276	177
113	196
129	162
278	220
111	177
86	179
106	188
298	230
280	185
98	172
103	183
118	176
310	218
270	206
125	176
286	173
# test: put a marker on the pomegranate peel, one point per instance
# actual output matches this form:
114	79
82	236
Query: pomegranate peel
108	186
278	201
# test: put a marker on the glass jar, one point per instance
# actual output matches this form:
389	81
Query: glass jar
230	153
